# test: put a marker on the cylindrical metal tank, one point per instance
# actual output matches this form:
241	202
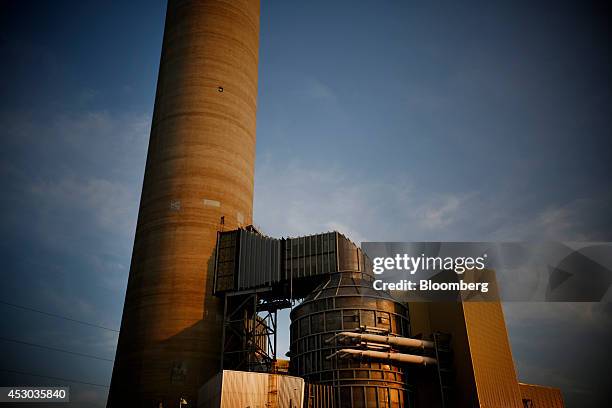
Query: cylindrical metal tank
198	179
345	302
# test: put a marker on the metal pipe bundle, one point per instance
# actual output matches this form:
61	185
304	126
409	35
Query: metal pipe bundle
398	357
391	340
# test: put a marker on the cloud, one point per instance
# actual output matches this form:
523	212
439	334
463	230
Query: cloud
111	130
43	146
579	219
72	185
110	205
442	213
585	313
317	90
293	199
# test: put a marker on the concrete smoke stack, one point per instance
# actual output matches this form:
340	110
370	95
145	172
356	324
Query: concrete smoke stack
200	168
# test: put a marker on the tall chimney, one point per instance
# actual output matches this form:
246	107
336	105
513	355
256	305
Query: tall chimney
199	170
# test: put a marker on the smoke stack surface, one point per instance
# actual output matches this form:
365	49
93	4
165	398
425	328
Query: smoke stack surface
200	168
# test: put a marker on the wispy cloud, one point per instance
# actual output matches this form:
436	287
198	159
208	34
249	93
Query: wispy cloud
293	198
110	205
579	219
317	90
72	194
442	213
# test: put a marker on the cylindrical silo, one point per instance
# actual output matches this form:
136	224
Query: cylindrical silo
198	179
346	302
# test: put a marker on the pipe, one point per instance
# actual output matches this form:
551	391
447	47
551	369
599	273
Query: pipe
399	357
394	341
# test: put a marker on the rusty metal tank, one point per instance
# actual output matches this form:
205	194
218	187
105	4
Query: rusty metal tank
198	180
346	302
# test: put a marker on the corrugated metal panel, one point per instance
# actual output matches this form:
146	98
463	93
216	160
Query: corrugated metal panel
259	260
485	372
231	389
248	260
348	255
319	396
290	391
243	389
492	362
312	255
541	397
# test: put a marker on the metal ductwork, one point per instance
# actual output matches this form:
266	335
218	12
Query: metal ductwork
391	340
397	357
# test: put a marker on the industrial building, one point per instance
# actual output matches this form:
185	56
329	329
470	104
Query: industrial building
199	323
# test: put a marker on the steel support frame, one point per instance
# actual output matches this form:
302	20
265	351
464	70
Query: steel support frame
249	338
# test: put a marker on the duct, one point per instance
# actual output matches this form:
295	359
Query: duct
397	357
392	340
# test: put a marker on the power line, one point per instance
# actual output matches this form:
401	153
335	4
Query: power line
55	349
30	309
53	378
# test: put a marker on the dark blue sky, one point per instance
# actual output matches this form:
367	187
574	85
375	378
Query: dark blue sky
388	121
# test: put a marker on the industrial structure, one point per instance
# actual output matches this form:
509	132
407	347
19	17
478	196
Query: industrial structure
199	174
199	323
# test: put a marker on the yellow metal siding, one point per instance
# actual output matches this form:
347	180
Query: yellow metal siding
484	369
542	397
494	372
